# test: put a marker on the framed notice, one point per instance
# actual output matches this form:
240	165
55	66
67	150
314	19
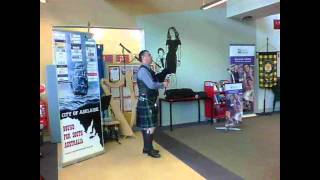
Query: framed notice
115	92
126	92
127	104
114	73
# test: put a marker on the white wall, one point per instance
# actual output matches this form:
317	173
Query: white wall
205	37
75	12
264	29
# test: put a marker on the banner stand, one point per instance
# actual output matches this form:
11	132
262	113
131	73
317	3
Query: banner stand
265	92
62	165
264	113
228	129
77	96
234	107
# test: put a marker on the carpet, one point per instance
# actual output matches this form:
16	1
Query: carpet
49	162
253	153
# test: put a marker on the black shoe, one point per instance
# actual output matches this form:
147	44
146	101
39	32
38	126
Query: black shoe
153	154
146	151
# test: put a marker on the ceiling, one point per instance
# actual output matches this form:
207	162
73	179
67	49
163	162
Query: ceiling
143	7
261	12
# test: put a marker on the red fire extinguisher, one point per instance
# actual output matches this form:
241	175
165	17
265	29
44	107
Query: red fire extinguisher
43	113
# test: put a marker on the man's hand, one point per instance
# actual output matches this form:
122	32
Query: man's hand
166	83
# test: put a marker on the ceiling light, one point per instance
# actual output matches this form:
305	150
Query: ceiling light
43	1
212	4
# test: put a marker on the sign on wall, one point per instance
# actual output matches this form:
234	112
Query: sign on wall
276	24
242	57
75	55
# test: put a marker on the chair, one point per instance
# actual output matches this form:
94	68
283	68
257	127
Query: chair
105	102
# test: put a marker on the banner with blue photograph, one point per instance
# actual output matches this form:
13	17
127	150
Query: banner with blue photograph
234	104
75	55
242	58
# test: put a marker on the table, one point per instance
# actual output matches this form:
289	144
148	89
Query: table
170	101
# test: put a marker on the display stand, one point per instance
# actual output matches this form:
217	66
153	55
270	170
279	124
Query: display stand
264	113
265	90
218	108
234	111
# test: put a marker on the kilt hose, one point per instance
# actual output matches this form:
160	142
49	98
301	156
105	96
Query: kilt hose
147	113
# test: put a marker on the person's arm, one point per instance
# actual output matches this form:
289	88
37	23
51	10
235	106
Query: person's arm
167	46
179	50
145	76
161	76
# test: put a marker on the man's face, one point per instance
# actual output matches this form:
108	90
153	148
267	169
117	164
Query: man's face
147	58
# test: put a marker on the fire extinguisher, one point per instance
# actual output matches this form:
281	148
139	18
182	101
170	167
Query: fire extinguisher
43	113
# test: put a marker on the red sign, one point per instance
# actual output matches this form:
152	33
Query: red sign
276	24
119	58
42	88
92	74
108	58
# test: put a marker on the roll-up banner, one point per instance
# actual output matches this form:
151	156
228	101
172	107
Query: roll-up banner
75	55
242	57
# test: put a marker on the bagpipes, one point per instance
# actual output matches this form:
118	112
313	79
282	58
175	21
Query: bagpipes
164	75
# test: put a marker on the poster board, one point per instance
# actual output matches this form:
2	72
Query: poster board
242	58
78	90
234	98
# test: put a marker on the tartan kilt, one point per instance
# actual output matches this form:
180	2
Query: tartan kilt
147	114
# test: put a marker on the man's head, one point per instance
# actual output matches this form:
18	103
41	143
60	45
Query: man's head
145	57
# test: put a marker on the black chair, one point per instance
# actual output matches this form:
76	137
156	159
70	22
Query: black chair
276	92
105	102
112	134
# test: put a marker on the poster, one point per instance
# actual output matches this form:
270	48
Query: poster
114	73
92	60
127	104
115	92
234	97
119	58
60	56
242	57
267	69
79	99
108	58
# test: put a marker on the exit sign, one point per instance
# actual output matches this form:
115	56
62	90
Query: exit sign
276	24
